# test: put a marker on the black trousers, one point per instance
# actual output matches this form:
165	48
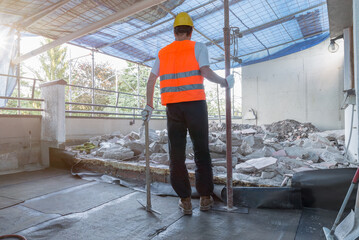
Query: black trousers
194	117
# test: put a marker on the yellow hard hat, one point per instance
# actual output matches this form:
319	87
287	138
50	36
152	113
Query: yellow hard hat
183	19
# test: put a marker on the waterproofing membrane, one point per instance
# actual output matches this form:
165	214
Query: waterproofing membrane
264	197
325	188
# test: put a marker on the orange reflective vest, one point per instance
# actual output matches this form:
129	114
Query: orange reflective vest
180	77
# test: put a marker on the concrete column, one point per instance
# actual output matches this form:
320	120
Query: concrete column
356	57
351	130
53	130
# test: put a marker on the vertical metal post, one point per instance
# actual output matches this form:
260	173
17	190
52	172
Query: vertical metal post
116	91
70	82
148	171
18	72
226	31
218	106
138	86
93	79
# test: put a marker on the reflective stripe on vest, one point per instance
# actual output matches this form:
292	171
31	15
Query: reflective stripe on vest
180	77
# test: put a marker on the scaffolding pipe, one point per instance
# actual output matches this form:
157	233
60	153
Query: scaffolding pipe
138	86
70	82
18	72
93	78
226	32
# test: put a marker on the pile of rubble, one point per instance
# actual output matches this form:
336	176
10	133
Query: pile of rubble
260	155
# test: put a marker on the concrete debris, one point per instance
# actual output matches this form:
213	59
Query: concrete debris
257	164
161	158
245	149
268	175
291	129
118	153
260	154
136	146
217	147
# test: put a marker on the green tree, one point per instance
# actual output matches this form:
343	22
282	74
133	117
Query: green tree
53	64
105	78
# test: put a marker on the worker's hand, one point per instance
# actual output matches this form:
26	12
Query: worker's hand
230	81
147	113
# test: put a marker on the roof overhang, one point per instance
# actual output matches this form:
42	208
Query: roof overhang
340	13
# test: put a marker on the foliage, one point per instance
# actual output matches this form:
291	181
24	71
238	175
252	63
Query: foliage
53	64
105	78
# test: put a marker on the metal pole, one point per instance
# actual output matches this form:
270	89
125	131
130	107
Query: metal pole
138	86
148	171
93	79
226	32
218	106
70	82
18	72
116	91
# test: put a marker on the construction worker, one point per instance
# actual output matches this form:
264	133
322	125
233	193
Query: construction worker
182	66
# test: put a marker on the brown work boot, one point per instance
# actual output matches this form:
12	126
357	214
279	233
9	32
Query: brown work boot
205	203
185	205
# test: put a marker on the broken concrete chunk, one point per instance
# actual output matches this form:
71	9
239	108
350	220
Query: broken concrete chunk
163	136
245	168
118	153
161	158
219	169
249	140
155	147
217	147
264	152
248	131
95	140
266	163
330	157
268	175
153	137
315	137
134	135
280	153
245	149
325	165
137	147
296	152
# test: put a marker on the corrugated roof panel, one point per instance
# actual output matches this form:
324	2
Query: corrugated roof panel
270	28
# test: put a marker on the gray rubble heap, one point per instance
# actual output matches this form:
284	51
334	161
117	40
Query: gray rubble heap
261	155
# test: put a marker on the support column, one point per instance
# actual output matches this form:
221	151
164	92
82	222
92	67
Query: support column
356	57
53	132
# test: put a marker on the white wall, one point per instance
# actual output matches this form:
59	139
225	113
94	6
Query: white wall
306	86
19	151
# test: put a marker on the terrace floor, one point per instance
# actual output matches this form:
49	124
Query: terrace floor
52	204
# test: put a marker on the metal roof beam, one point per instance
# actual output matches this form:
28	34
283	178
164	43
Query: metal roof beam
27	22
131	10
146	29
278	45
174	15
272	23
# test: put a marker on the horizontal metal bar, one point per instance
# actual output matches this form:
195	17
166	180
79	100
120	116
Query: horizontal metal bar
108	113
110	91
111	106
23	99
22	109
26	78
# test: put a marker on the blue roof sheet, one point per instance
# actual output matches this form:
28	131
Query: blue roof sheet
271	29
